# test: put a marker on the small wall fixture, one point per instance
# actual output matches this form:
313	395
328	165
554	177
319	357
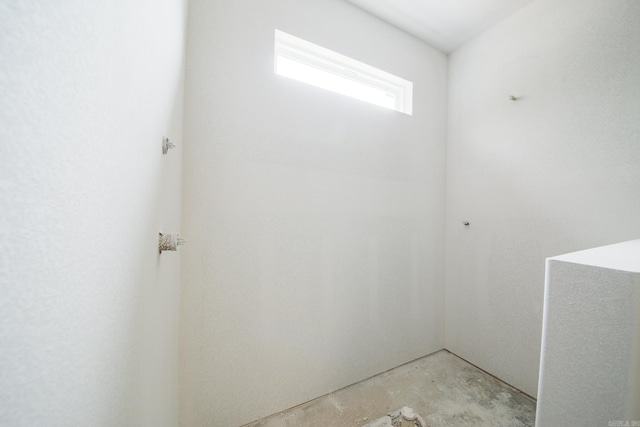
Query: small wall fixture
166	145
170	242
512	98
465	223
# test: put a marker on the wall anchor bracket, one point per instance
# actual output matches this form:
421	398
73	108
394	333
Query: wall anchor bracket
169	242
166	145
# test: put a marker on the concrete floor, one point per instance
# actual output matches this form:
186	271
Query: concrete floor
442	388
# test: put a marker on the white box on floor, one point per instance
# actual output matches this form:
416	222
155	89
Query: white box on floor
590	358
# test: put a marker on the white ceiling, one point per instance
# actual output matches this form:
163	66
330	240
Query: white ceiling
444	24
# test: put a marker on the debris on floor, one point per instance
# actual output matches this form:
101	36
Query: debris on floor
404	417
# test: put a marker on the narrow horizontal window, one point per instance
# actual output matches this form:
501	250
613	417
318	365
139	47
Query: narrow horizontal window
301	60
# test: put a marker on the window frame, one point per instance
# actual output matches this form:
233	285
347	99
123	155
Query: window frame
323	59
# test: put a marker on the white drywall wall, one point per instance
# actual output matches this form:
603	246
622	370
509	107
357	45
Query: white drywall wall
553	172
315	221
89	310
590	370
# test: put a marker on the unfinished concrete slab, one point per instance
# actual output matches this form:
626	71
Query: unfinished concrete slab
444	389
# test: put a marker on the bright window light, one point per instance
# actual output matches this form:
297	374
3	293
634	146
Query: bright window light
312	64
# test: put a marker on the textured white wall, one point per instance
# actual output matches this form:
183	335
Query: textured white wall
554	172
316	222
590	359
88	312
